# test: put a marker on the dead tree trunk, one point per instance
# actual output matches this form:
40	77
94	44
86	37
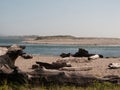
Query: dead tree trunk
54	65
50	76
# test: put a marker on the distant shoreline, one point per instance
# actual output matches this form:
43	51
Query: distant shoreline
75	41
68	40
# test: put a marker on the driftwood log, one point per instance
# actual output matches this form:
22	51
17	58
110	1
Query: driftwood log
8	70
76	68
54	65
50	76
114	65
14	77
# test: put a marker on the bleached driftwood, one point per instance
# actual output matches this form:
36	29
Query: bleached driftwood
114	65
76	68
50	76
3	50
8	70
60	77
95	56
43	71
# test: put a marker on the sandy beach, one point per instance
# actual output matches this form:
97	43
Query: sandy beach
99	66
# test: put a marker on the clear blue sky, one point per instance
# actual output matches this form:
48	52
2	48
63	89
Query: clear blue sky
83	18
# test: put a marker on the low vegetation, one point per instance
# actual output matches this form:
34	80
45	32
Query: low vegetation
96	86
55	37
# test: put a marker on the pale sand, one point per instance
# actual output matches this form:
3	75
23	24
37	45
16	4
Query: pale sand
99	66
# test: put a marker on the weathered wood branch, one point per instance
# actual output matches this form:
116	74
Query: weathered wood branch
114	65
60	77
54	65
48	76
76	68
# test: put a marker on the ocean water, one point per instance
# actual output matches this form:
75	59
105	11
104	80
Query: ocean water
48	49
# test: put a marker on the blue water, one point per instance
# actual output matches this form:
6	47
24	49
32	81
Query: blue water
48	49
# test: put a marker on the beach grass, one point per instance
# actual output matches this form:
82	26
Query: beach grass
95	86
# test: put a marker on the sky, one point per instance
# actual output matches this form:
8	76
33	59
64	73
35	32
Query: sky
81	18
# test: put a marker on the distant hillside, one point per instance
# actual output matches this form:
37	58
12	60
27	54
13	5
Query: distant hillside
55	37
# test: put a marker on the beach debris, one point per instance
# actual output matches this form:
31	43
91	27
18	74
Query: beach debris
7	60
3	51
68	76
112	78
96	56
10	57
8	70
47	76
15	47
63	55
114	65
54	65
43	70
85	68
82	53
74	60
27	56
15	77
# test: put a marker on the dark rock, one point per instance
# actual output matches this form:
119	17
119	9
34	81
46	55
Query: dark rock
27	56
63	55
81	53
